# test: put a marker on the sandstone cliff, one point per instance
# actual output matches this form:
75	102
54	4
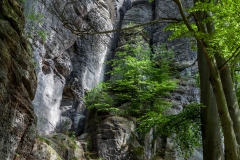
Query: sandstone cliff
17	84
70	60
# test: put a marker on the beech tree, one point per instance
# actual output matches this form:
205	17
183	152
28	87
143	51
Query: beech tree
214	27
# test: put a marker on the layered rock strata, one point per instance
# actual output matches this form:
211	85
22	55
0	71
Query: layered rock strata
17	84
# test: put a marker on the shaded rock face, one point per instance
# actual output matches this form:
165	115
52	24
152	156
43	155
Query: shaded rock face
17	85
184	56
116	138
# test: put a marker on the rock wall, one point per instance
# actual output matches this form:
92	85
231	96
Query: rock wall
17	84
68	65
49	55
116	139
71	61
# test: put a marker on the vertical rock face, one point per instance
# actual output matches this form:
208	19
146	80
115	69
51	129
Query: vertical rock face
59	93
71	60
184	55
17	85
52	66
116	138
88	55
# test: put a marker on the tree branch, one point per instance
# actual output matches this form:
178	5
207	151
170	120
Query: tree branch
128	28
233	55
185	19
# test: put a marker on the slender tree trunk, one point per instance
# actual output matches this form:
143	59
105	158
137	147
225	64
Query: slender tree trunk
231	146
211	137
228	88
230	94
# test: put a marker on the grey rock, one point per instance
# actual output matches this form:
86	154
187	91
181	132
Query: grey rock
48	97
114	139
140	13
64	125
57	147
196	155
55	63
63	64
181	46
49	55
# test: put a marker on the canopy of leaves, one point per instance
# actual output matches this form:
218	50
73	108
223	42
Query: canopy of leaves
224	14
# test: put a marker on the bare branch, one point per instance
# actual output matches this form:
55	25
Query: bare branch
185	19
79	25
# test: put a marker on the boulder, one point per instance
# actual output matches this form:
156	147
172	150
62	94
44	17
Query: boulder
116	139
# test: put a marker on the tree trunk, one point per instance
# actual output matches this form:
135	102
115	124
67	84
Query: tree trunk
231	146
230	94
211	137
229	89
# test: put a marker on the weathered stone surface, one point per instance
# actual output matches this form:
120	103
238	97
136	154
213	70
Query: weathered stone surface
42	151
116	138
62	53
52	65
138	14
57	147
184	56
48	97
17	85
88	54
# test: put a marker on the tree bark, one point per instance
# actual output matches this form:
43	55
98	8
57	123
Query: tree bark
230	94
231	146
211	137
230	142
228	88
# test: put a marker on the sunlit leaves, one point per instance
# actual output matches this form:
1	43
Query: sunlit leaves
226	18
139	78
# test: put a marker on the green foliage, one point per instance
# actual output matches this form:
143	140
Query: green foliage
226	36
185	126
44	140
99	98
139	82
225	39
